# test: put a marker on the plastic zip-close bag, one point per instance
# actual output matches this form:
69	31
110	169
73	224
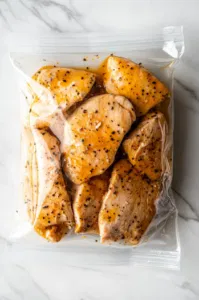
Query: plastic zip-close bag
96	149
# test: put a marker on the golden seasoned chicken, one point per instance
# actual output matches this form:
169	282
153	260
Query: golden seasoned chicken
145	146
124	77
87	203
59	87
93	134
128	206
52	209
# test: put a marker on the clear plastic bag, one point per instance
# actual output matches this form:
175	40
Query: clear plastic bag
158	52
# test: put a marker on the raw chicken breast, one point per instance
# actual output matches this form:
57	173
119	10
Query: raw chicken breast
53	216
87	203
128	206
55	122
93	134
124	77
30	173
145	146
54	91
61	86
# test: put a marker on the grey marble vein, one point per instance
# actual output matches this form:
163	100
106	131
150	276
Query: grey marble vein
187	89
181	214
22	291
3	244
72	14
16	291
4	19
185	218
69	10
42	11
51	24
96	270
10	7
194	107
4	298
186	285
3	239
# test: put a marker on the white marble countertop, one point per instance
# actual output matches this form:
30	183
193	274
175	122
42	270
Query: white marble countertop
42	276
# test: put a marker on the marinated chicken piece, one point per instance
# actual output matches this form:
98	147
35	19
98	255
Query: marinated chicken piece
53	211
87	203
93	134
145	146
55	122
30	179
124	77
128	206
54	87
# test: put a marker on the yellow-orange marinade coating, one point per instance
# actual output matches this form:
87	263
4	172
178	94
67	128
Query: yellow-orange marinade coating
146	145
54	91
124	77
93	134
63	86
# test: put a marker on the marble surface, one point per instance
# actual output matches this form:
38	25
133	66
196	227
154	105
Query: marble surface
32	275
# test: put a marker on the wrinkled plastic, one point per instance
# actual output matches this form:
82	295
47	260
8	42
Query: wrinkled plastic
159	53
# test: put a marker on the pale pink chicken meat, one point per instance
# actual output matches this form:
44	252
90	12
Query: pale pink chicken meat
51	215
87	203
55	90
129	205
146	146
